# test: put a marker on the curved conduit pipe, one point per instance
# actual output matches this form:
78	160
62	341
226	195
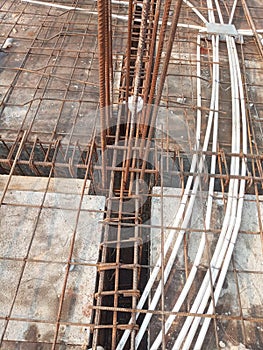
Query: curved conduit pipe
212	117
228	256
188	3
236	209
234	224
234	204
213	107
225	232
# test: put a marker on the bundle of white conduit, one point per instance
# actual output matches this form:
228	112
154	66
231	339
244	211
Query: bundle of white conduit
215	276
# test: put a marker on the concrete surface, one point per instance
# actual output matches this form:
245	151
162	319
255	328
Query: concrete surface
242	291
43	236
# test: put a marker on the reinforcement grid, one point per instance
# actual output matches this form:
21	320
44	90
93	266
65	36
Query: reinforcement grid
104	210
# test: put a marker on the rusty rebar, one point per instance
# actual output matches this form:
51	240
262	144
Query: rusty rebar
149	70
102	84
128	51
108	64
157	62
137	79
172	33
152	33
252	26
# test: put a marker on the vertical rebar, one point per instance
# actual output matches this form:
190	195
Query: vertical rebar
102	85
152	51
108	62
138	69
128	52
162	80
155	71
253	27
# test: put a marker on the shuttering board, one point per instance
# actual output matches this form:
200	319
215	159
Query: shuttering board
38	230
241	292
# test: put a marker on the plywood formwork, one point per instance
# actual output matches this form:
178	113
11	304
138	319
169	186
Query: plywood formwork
239	305
49	251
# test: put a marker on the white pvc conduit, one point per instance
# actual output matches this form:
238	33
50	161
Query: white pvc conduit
213	107
204	291
228	256
232	219
219	12
227	249
231	222
232	12
210	11
212	116
188	3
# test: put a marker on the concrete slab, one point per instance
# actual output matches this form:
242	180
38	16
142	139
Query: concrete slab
241	293
168	215
36	184
249	241
171	200
37	235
